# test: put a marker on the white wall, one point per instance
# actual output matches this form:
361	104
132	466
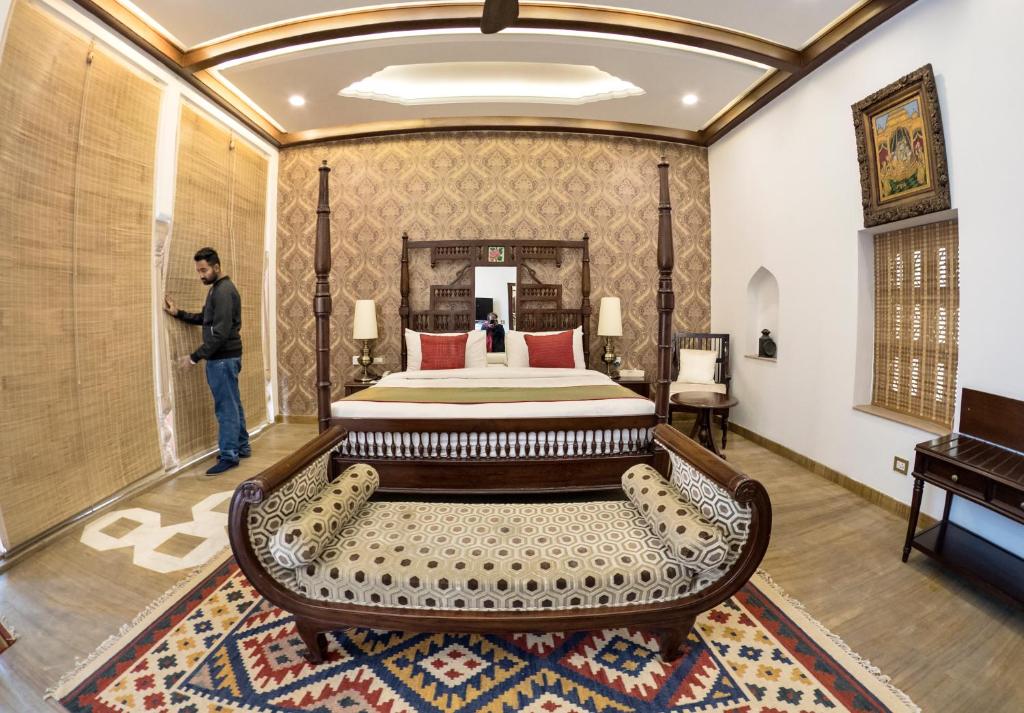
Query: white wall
785	193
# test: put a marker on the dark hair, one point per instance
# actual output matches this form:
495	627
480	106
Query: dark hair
208	254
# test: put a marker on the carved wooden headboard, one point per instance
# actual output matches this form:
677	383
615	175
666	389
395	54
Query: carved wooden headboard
539	306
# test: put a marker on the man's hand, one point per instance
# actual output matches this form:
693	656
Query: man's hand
169	306
185	361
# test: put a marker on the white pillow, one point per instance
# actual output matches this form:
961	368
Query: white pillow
697	366
519	356
476	348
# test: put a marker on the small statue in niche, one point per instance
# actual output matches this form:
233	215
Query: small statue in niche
766	345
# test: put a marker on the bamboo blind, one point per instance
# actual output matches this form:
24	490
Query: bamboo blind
220	202
917	317
77	149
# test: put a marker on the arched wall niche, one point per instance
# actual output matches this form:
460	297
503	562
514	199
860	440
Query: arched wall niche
762	308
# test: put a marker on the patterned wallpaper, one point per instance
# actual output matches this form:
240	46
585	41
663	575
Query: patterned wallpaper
472	185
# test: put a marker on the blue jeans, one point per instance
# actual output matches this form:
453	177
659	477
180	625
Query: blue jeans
222	376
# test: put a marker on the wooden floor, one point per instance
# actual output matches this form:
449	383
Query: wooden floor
949	646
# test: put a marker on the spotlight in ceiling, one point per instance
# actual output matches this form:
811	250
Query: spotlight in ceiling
296	100
689	99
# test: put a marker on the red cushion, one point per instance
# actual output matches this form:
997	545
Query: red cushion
551	351
443	352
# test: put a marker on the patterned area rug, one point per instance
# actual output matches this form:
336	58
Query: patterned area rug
7	636
216	645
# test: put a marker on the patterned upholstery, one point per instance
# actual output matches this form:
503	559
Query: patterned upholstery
304	535
715	505
496	557
489	557
695	542
266	518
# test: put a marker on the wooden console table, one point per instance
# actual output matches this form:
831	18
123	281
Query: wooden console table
984	463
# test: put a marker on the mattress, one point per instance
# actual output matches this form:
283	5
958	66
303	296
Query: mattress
496	393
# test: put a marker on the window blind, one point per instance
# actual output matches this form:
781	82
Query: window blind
219	202
77	150
917	317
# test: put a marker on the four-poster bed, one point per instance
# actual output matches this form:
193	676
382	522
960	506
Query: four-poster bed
556	444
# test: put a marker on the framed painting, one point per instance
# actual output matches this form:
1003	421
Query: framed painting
496	254
901	150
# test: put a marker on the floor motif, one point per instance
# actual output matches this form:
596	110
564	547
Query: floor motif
220	646
163	548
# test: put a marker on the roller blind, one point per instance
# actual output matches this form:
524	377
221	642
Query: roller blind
220	202
77	150
917	318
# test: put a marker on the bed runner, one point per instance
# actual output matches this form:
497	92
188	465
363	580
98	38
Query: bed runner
492	394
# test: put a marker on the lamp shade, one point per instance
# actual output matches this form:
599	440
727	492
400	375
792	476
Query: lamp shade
364	322
609	324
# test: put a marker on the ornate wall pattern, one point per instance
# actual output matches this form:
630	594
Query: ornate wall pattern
473	185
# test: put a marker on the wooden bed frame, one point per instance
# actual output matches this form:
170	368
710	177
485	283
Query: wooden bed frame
450	456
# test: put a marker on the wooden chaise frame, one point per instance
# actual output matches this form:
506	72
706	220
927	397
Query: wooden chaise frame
670	620
469	456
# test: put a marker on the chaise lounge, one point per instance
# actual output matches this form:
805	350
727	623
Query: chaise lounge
315	544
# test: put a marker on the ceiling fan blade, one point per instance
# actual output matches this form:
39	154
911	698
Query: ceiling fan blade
498	14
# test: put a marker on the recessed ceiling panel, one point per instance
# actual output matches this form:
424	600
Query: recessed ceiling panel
665	75
484	82
787	22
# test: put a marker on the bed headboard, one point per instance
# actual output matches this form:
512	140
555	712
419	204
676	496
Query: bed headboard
539	305
545	311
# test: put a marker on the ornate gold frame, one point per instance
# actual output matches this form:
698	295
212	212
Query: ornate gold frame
922	83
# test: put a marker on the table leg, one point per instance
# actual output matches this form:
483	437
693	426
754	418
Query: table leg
704	435
941	539
915	511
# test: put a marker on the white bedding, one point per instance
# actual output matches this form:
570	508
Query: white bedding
508	377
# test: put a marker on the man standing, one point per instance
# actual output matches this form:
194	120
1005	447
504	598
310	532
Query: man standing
222	348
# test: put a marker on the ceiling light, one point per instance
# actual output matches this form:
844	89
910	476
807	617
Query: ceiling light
689	99
296	100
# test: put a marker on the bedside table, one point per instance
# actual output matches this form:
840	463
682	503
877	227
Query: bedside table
352	387
639	384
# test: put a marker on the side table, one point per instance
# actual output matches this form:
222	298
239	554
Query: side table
704	403
352	387
640	384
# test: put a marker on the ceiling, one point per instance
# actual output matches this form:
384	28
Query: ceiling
733	56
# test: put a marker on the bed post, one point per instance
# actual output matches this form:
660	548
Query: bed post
666	298
403	307
322	302
585	300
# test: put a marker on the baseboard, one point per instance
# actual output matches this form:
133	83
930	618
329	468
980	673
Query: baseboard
293	418
854	486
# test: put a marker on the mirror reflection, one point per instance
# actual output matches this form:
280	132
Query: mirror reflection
495	289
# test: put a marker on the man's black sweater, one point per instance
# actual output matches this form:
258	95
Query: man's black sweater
221	319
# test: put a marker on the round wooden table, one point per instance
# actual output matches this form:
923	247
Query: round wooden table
705	403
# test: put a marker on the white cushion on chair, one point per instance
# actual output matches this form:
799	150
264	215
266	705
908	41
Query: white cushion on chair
697	366
678	387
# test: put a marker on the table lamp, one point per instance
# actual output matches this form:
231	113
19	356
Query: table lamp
364	327
609	326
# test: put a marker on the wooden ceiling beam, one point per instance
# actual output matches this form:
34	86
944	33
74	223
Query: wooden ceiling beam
790	65
492	123
840	36
685	33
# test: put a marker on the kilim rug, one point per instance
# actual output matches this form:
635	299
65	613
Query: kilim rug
217	645
7	636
